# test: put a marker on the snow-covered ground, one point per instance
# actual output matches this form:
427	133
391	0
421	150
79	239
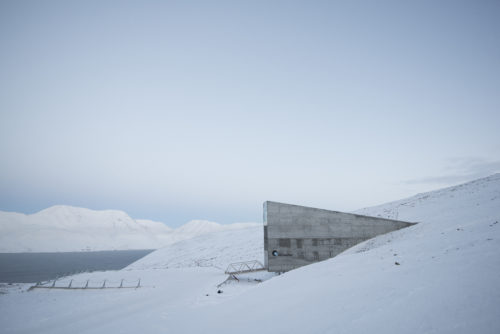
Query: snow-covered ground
216	250
439	276
70	229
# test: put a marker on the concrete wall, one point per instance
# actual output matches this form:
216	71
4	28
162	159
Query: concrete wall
300	235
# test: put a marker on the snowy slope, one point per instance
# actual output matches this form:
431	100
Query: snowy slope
445	279
217	249
439	276
466	202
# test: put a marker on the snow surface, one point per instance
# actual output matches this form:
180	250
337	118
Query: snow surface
68	229
439	276
209	250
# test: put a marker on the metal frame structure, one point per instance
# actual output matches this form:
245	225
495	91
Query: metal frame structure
238	268
244	267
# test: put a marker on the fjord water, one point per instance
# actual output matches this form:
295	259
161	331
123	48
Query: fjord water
36	267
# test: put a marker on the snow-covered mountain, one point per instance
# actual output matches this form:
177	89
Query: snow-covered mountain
154	227
65	228
199	227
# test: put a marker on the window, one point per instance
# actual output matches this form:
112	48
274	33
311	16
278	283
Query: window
284	243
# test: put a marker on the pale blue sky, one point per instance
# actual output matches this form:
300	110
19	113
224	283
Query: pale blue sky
203	110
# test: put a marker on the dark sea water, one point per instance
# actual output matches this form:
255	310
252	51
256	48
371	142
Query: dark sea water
37	267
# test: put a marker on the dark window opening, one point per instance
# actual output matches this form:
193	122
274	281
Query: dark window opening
284	243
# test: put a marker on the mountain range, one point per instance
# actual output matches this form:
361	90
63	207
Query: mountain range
64	228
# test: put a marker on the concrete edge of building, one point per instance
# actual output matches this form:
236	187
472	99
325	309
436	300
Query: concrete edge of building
350	213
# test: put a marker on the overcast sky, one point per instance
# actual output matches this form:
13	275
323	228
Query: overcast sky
184	110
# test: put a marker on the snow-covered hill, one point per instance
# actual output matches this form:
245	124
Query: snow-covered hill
216	250
199	227
439	276
470	202
466	202
65	228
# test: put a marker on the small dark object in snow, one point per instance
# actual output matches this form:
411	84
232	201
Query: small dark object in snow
206	295
219	291
395	254
396	263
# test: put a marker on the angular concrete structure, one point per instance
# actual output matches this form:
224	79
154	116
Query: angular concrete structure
295	236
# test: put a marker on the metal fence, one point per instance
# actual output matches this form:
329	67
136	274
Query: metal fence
88	284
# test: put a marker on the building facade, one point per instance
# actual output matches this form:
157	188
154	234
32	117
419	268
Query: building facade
295	235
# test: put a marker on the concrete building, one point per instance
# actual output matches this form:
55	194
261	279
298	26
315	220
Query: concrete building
295	235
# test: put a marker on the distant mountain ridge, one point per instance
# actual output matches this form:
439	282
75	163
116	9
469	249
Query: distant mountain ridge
64	228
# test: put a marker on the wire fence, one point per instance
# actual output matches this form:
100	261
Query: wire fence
88	284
